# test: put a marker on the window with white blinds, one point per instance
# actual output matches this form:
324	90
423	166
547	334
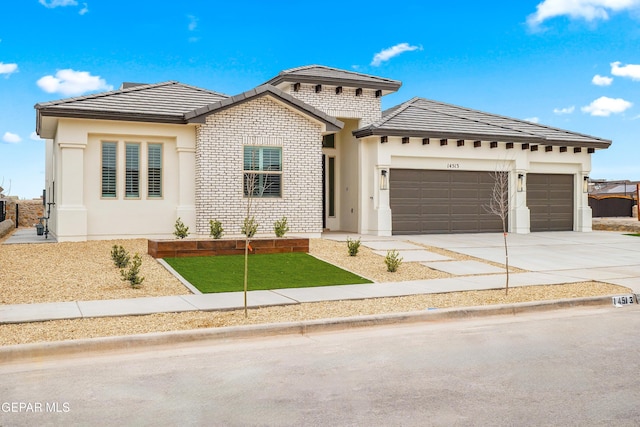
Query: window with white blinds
132	170
154	170
109	161
262	171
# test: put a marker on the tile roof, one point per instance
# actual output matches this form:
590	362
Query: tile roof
165	102
320	74
421	117
199	114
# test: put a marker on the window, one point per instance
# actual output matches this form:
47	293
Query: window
132	172
109	151
329	141
154	170
262	171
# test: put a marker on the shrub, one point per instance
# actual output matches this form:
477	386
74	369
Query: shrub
119	256
181	230
250	227
353	246
215	228
393	261
281	227
132	275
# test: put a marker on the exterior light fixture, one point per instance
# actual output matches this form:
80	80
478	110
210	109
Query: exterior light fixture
384	180
520	182
585	184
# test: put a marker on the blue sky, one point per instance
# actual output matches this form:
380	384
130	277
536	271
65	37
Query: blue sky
573	64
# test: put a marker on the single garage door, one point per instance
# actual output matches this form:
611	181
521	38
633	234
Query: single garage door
550	202
430	202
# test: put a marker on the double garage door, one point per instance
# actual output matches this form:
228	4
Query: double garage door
432	201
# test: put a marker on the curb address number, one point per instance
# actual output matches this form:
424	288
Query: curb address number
623	300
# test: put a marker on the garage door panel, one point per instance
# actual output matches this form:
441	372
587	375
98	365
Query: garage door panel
550	202
449	202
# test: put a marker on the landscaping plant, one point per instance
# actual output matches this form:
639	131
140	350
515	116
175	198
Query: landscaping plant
119	256
215	228
353	246
499	206
281	227
250	227
181	230
393	261
132	275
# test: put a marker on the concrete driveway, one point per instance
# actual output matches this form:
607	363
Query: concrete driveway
600	255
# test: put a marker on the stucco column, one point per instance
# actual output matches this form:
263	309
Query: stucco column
186	209
383	208
583	214
72	212
520	219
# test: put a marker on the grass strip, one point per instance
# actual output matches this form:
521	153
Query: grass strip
225	273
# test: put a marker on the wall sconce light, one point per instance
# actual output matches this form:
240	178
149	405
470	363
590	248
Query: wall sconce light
384	180
520	182
585	184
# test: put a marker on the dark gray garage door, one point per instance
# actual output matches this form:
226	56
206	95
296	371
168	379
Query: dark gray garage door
428	201
550	202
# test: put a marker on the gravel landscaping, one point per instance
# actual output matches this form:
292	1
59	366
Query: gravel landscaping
34	273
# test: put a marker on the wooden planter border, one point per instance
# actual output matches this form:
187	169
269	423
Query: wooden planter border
186	248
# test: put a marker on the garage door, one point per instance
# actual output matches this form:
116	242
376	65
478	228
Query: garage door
550	202
428	201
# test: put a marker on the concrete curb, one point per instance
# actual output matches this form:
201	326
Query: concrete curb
39	351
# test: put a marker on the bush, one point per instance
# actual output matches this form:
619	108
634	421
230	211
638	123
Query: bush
250	227
119	256
393	261
280	227
181	230
132	275
215	228
353	246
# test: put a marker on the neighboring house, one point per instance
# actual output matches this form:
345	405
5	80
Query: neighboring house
128	163
612	198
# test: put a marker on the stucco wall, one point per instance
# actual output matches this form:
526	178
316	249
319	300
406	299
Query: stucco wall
376	218
219	162
74	158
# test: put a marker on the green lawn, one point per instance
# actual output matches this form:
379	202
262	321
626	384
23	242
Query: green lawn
266	271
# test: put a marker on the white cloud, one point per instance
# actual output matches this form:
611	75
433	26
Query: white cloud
34	136
605	106
566	110
533	119
8	69
589	10
630	70
599	80
11	138
57	3
71	83
193	22
387	54
85	9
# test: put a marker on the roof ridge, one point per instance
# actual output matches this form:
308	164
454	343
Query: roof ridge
326	67
104	94
472	120
509	118
398	109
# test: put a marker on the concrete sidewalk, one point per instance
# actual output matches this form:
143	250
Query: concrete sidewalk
551	258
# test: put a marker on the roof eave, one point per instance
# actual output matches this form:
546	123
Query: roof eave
369	131
111	115
391	86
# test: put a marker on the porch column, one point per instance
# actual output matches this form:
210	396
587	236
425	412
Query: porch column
186	209
583	213
520	217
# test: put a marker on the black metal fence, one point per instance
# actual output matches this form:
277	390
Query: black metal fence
3	211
